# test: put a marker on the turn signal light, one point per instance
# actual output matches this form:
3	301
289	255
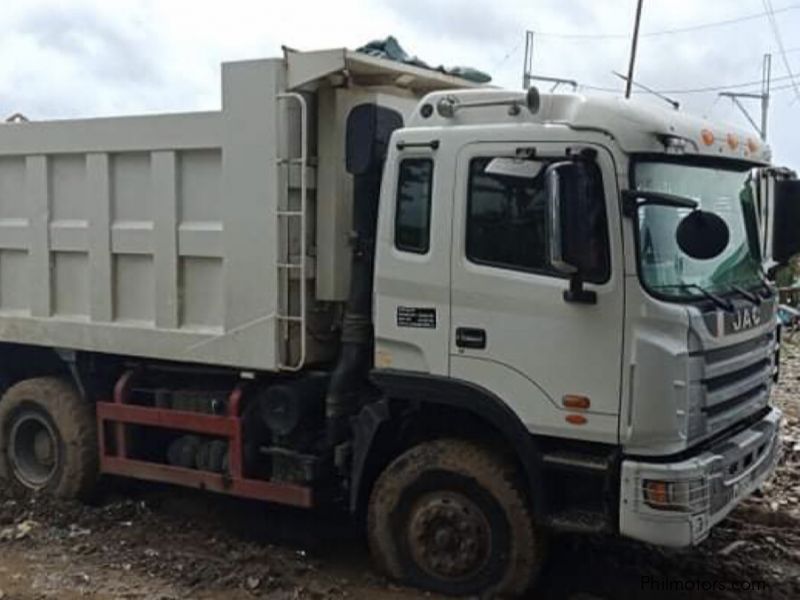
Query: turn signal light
576	419
682	496
575	401
656	493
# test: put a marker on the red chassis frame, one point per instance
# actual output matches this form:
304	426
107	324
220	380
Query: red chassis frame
115	461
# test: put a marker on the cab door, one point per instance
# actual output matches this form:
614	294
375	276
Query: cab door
512	331
412	268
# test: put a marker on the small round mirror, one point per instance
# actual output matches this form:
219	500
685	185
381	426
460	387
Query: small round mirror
702	235
533	100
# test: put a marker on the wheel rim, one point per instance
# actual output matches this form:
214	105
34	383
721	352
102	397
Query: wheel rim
449	536
33	450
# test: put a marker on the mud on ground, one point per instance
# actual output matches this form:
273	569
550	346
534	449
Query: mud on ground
153	542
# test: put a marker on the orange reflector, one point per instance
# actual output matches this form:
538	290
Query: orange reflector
573	401
752	145
707	136
733	141
576	419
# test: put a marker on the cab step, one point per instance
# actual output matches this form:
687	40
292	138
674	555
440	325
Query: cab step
579	521
576	461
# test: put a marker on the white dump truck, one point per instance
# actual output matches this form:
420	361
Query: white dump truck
467	317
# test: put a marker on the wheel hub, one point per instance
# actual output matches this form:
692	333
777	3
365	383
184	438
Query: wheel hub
43	448
32	450
449	536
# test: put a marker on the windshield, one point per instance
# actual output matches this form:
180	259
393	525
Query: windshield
664	268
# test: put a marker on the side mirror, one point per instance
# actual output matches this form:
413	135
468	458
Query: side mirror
575	216
786	220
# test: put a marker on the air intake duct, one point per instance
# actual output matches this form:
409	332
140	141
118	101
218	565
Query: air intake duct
369	128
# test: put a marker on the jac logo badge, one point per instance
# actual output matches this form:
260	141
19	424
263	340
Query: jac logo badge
745	318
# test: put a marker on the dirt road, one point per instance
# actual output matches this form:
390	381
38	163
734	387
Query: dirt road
141	541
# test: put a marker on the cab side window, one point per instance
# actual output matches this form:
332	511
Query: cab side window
507	221
412	222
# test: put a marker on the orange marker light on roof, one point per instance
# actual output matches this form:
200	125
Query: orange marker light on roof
707	136
752	145
733	141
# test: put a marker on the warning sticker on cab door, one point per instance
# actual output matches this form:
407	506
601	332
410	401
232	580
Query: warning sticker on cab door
420	318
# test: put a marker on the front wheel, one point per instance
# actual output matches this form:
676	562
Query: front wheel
449	516
48	439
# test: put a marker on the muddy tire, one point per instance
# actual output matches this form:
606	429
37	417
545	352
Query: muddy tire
48	439
450	516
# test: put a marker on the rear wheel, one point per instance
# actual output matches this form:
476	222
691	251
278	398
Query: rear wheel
449	516
48	439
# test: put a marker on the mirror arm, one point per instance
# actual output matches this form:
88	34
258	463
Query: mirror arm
577	293
630	204
633	199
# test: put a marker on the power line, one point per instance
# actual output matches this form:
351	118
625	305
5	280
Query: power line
782	88
508	55
610	90
700	90
776	31
688	29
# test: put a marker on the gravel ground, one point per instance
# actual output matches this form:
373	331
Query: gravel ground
153	542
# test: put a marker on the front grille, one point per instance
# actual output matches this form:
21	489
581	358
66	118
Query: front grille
735	383
726	407
716	383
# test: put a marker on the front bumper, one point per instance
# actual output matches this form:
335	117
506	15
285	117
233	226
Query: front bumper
721	476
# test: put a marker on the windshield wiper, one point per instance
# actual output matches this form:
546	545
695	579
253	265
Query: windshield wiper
765	287
720	302
754	298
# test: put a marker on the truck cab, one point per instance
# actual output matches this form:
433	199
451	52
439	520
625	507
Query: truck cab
594	266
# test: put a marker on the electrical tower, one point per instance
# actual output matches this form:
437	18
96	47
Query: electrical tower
766	77
527	69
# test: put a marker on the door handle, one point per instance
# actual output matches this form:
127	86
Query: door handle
471	337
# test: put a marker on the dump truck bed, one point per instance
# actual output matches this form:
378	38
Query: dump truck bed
179	236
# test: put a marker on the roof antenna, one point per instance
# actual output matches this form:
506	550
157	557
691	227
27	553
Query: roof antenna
674	103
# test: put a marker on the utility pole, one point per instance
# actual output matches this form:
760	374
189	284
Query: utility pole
527	69
527	64
766	81
634	44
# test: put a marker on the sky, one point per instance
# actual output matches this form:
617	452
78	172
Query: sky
79	58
